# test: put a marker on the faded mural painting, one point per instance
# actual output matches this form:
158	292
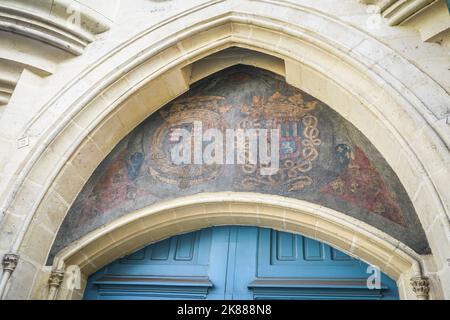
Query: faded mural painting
323	159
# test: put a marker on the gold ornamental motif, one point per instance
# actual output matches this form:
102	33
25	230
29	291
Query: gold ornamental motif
300	137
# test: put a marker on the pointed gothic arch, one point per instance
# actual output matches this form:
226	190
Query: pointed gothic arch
333	68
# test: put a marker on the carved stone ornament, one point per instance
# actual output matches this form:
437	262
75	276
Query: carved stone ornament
9	262
56	278
421	287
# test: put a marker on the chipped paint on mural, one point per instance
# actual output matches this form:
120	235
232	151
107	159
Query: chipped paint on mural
323	159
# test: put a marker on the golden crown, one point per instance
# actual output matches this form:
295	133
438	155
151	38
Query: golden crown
279	106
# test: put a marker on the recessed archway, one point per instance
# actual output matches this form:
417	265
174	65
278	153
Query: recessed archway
332	68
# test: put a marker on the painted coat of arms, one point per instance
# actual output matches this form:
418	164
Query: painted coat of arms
299	139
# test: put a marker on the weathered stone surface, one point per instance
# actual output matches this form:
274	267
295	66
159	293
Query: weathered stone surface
323	159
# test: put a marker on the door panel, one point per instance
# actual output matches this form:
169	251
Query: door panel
237	263
290	255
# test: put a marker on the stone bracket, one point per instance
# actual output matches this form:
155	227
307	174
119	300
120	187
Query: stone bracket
421	287
54	281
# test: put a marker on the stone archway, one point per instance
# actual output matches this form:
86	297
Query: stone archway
163	220
333	68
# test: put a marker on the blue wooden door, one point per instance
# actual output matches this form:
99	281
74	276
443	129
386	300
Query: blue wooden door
237	263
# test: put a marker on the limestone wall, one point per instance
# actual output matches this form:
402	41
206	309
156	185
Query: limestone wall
67	94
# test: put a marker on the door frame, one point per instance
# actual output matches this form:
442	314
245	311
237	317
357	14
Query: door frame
186	214
237	263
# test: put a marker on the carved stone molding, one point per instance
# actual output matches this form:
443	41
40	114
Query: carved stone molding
56	278
54	281
68	26
421	287
9	262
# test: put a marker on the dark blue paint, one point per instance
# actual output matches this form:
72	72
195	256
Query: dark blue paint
134	165
237	263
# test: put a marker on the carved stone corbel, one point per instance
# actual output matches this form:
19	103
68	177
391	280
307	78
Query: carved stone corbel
56	278
9	262
421	287
54	281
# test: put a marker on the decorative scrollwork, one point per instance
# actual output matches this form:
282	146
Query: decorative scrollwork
421	287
